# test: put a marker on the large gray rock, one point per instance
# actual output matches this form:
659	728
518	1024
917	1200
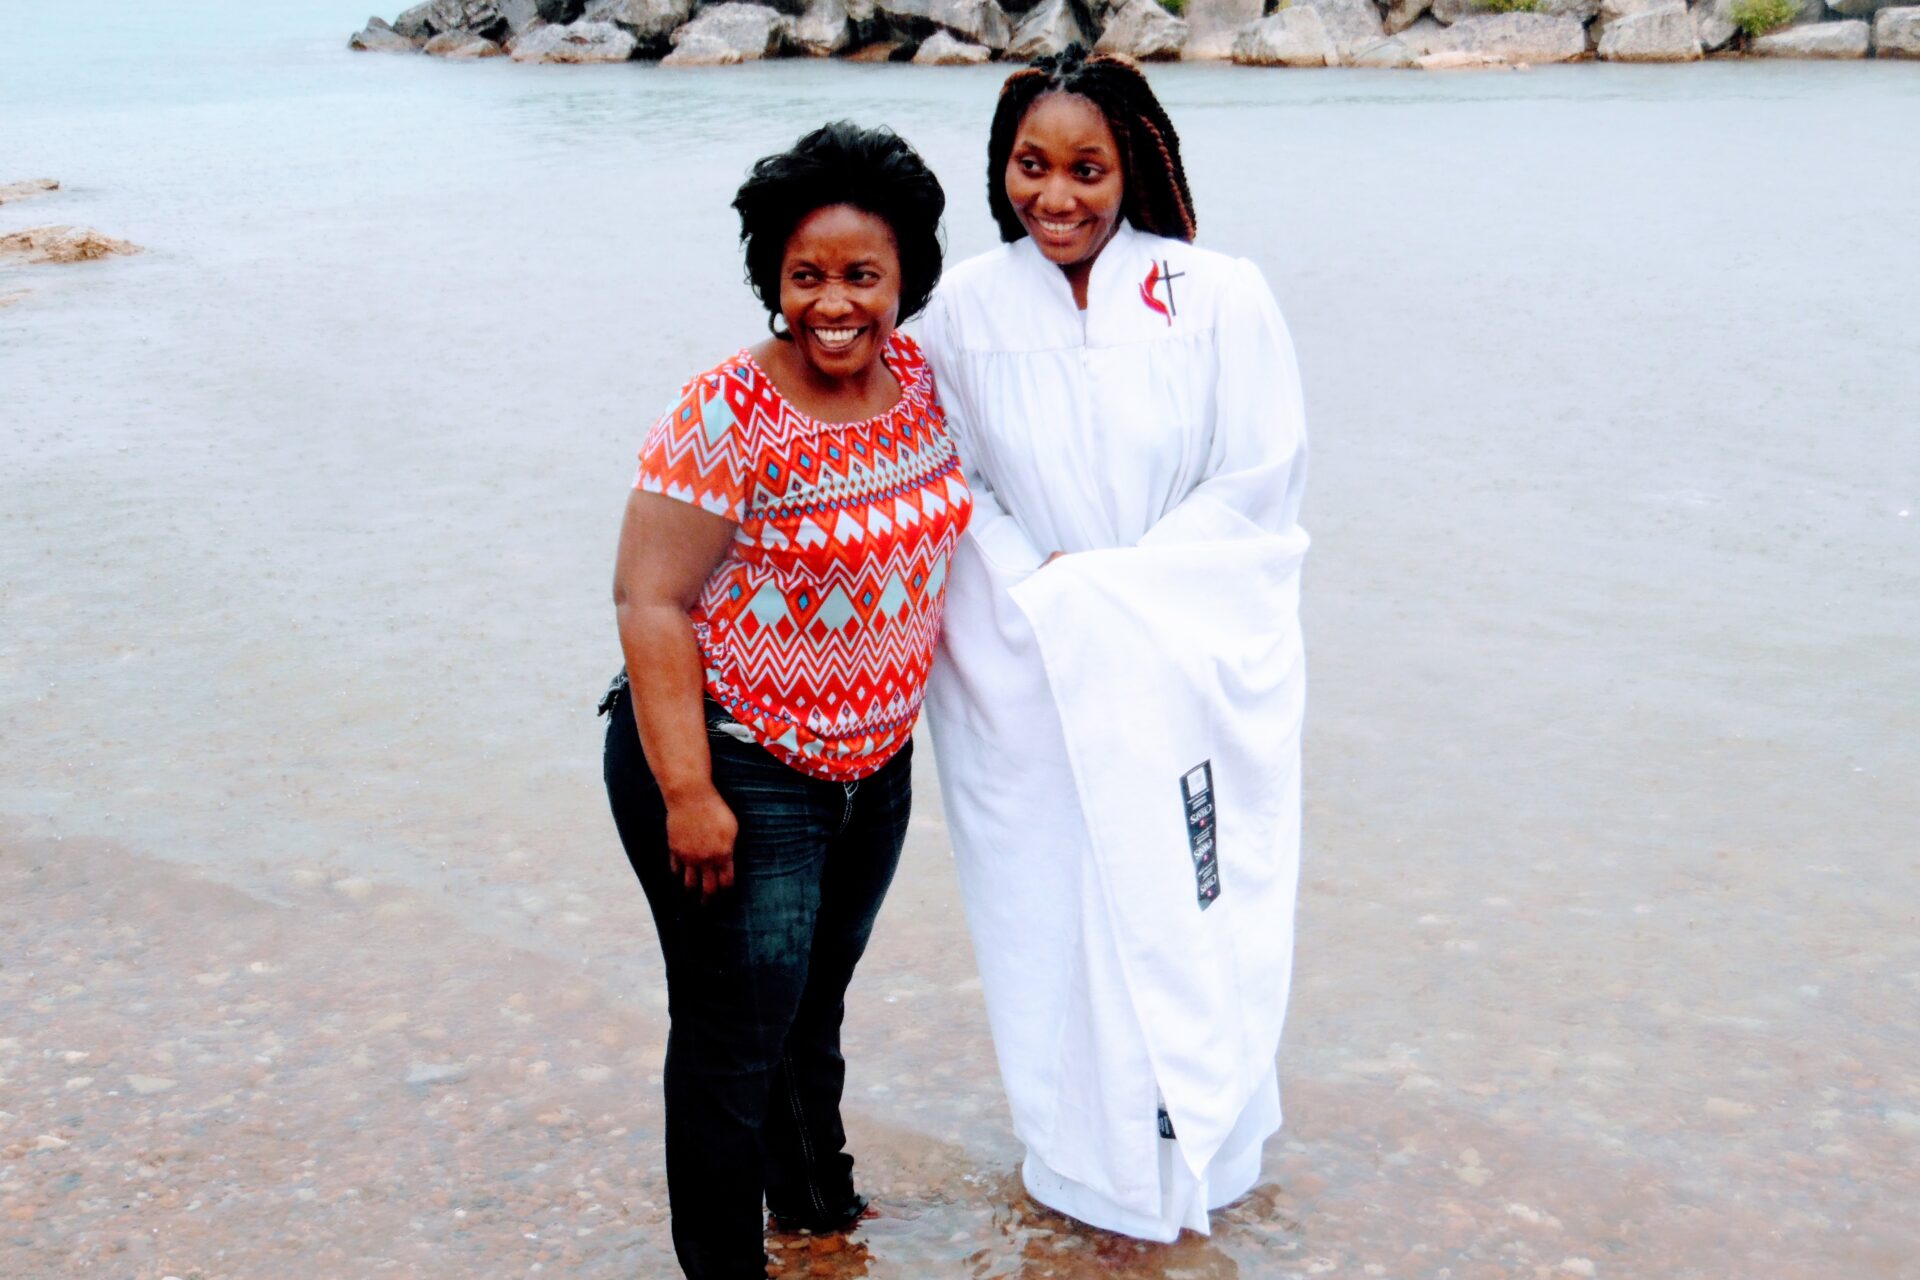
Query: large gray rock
1293	37
974	21
1859	8
1049	27
482	17
1811	11
1349	23
1896	32
1515	37
524	15
822	29
1424	36
649	22
416	23
378	37
462	44
1713	22
1212	26
1142	30
1850	39
1454	10
581	41
1402	14
943	49
752	31
1386	53
1663	34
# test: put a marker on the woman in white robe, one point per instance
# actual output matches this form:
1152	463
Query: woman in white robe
1117	708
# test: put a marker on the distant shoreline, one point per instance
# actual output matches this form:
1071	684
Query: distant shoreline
1398	34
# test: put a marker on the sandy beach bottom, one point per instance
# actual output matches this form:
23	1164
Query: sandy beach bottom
341	1080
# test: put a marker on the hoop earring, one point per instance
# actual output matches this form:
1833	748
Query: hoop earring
773	327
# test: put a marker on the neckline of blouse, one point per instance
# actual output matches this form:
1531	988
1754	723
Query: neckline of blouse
893	355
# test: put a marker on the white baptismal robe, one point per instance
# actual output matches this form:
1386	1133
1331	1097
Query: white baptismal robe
1158	437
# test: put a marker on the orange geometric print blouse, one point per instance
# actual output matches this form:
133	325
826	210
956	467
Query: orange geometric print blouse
817	630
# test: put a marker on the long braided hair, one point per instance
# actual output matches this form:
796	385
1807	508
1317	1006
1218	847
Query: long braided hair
1157	199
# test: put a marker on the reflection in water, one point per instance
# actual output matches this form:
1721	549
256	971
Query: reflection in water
1606	960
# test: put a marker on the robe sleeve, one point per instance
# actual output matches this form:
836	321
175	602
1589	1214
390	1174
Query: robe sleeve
992	528
1257	458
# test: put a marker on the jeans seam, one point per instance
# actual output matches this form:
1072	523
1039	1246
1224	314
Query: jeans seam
806	1142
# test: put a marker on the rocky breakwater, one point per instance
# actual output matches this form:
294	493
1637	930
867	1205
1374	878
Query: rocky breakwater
1426	34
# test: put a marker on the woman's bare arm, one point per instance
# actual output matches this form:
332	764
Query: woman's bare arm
668	549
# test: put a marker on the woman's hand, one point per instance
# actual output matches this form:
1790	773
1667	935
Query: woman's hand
700	833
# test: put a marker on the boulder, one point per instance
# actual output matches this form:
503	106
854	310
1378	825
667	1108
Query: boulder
1662	34
1811	11
1459	60
27	189
462	44
1049	27
1859	8
1424	36
60	244
1349	23
1849	39
524	15
1144	31
751	29
1402	14
649	22
1387	53
941	49
1713	22
581	41
1293	37
416	23
974	21
1213	25
1515	37
882	51
703	51
482	17
822	30
1454	10
378	37
1896	32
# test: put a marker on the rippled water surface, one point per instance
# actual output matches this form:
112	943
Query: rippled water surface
1609	962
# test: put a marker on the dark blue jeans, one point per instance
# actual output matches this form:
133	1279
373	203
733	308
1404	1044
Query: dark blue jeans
756	980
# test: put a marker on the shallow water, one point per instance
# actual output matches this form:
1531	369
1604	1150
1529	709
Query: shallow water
1608	957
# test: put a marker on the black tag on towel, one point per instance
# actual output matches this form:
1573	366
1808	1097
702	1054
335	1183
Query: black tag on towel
1196	789
1166	1124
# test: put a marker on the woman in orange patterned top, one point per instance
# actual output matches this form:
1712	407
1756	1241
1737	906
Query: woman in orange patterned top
779	585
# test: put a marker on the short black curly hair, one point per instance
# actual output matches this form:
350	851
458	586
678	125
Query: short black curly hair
842	163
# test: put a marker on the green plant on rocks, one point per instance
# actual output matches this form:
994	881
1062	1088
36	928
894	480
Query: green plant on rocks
1757	17
1175	7
1511	6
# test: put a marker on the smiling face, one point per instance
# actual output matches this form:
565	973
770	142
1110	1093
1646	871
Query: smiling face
840	289
1064	180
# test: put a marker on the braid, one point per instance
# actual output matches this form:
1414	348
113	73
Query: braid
1157	199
